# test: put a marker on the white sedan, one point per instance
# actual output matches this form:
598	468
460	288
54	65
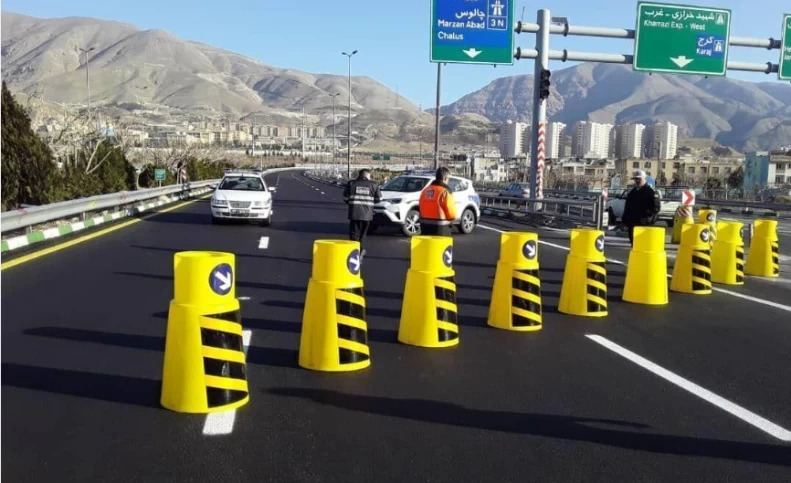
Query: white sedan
242	196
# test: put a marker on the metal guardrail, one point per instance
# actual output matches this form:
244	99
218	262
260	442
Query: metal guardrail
36	215
589	212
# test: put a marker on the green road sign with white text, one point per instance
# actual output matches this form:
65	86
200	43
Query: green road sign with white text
159	175
472	31
680	39
784	72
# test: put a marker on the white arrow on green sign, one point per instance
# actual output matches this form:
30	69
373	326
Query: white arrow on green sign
680	39
784	72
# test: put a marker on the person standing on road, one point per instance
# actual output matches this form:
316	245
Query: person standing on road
642	205
361	195
437	208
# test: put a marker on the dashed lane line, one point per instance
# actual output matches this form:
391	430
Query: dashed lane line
222	423
263	243
730	407
750	298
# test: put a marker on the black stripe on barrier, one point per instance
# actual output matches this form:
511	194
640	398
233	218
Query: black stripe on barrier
524	304
701	261
444	294
740	255
701	274
446	335
449	278
235	316
595	307
445	315
348	356
597	276
220	368
353	334
356	291
775	248
519	321
216	396
349	309
597	292
525	286
221	340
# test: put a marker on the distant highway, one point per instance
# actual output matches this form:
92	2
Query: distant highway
697	390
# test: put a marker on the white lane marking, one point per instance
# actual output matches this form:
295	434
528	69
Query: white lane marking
263	243
703	393
222	423
757	300
322	192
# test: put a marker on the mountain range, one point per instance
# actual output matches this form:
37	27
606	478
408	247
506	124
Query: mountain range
134	67
744	115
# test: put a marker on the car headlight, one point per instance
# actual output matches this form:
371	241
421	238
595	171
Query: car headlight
394	201
216	202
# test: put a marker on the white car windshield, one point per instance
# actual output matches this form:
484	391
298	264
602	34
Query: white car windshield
242	184
405	184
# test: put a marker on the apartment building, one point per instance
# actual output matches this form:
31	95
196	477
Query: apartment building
663	141
629	141
767	169
512	139
554	140
591	139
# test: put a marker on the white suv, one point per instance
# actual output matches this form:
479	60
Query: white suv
242	195
400	197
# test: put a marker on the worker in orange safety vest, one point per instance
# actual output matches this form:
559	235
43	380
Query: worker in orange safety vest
437	208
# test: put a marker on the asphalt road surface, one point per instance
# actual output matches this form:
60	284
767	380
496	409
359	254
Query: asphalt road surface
697	390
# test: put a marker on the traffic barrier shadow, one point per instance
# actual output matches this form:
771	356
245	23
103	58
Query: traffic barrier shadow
133	341
271	356
180	217
374	335
135	391
238	255
456	262
311	226
620	434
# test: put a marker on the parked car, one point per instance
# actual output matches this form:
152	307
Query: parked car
667	212
400	197
516	190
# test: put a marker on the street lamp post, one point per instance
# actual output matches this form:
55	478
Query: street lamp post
88	75
334	137
349	139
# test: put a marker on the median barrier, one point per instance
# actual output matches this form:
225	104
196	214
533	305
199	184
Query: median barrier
683	217
516	296
727	255
429	312
646	272
204	367
334	330
584	289
764	257
692	270
709	217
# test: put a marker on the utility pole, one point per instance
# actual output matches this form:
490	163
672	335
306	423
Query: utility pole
436	125
539	107
88	75
303	134
334	136
349	139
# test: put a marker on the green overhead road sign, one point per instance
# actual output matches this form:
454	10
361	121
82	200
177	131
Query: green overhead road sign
159	175
784	72
680	39
472	31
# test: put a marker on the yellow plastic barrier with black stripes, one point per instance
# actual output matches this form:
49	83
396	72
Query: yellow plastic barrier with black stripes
334	329
727	255
204	368
429	312
584	290
692	270
516	295
764	257
646	271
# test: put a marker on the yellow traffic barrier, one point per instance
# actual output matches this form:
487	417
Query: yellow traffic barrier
692	270
683	217
429	313
334	330
646	272
204	368
764	257
727	255
516	296
709	217
584	289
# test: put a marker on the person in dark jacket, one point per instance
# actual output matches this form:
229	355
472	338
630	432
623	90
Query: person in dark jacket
361	194
642	205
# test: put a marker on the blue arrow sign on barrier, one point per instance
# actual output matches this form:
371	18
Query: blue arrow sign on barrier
221	279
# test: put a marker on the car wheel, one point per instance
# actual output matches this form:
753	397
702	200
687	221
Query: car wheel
411	226
467	223
266	221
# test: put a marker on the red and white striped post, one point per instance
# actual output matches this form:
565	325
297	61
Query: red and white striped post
541	154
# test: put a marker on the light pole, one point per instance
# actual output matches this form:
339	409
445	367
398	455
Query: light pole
88	75
334	138
349	141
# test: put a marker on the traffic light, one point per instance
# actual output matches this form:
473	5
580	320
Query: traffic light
543	92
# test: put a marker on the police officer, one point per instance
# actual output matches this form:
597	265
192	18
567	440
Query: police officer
437	209
361	194
642	205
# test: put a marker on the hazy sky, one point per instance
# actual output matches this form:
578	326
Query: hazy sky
392	37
